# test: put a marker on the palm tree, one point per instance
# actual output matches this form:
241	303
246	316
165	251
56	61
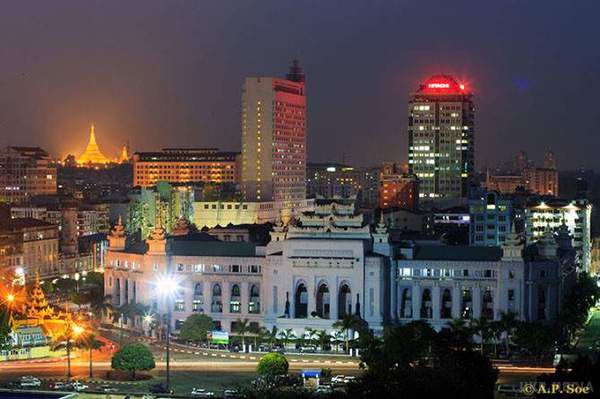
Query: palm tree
509	323
495	333
323	338
242	328
272	337
348	323
100	306
338	338
286	336
310	334
91	343
481	327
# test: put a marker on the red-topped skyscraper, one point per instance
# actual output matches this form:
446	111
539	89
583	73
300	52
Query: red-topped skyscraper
441	147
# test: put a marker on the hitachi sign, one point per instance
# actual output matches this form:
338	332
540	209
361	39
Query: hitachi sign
439	85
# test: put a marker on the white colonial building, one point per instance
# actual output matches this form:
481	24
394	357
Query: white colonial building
328	264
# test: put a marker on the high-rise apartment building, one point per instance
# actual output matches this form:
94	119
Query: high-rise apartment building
441	147
185	165
274	138
24	173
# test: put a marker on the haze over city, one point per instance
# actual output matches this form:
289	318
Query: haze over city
156	73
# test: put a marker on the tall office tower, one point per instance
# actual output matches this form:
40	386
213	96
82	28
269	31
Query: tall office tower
274	138
24	173
441	148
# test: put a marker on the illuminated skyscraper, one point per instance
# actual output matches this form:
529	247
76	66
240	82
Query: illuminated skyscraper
441	148
274	138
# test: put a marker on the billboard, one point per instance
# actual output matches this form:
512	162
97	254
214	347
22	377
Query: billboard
218	337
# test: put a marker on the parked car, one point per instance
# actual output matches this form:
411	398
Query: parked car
308	349
349	378
79	386
202	393
29	381
324	390
509	389
59	385
338	378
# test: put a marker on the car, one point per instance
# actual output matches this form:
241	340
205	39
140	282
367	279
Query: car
509	389
202	393
59	385
308	349
231	394
338	378
159	388
79	386
349	378
324	389
30	382
107	388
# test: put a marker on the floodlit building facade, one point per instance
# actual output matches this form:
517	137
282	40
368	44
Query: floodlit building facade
185	165
550	215
274	138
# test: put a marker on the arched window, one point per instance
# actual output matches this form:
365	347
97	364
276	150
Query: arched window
541	306
198	299
234	303
216	301
254	301
323	301
344	301
487	308
406	304
446	310
301	302
426	306
466	304
117	294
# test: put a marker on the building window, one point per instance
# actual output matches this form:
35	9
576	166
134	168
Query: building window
234	303
254	301
216	301
323	301
301	302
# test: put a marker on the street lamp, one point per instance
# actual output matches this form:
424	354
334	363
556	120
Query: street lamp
72	331
167	287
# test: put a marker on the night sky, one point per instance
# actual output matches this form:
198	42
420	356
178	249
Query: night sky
169	73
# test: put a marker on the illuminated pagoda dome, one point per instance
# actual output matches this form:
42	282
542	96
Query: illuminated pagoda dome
124	158
92	154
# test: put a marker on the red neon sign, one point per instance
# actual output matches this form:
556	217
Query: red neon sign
439	85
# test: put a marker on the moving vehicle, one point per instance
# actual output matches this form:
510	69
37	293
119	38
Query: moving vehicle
202	393
231	394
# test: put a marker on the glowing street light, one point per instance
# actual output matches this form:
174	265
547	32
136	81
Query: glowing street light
167	287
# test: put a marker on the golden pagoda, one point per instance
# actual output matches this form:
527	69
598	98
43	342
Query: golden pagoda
38	307
92	154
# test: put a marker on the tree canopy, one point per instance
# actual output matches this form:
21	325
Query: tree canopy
272	364
196	327
133	357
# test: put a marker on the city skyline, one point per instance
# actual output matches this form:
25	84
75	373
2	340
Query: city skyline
160	86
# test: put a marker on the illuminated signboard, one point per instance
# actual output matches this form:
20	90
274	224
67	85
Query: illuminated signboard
439	85
218	337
